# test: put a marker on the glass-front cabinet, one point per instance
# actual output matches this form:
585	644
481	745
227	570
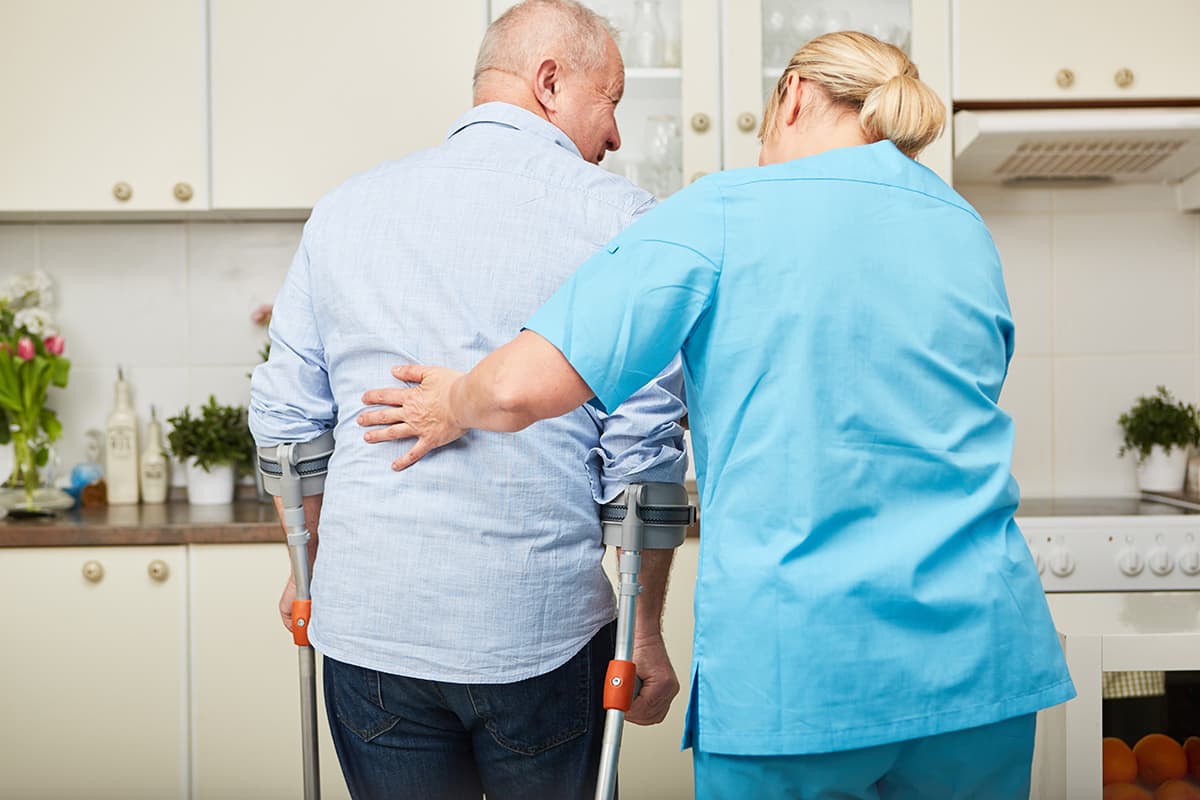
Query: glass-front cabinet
698	73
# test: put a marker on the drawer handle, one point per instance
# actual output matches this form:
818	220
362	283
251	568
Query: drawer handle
747	122
183	192
1065	78
93	571
1123	78
701	122
159	570
122	191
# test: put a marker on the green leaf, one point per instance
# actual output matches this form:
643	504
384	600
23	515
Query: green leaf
1158	419
50	424
220	435
62	366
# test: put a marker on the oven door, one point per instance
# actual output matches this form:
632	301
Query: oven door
1135	661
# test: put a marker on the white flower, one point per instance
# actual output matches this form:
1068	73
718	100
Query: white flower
29	290
35	320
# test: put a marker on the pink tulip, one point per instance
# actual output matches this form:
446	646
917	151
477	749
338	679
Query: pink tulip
25	350
55	345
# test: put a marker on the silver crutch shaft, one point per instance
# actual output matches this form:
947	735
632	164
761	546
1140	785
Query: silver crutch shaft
621	681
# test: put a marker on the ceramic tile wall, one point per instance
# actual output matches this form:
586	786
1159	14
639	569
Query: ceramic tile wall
169	302
1104	284
1105	290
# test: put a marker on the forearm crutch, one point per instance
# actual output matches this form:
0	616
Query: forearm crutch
293	471
646	516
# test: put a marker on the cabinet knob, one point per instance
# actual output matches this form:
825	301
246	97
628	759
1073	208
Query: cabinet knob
746	122
183	192
93	571
122	191
159	570
1065	78
1123	78
701	122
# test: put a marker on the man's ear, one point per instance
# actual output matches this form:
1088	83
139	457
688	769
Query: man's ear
545	83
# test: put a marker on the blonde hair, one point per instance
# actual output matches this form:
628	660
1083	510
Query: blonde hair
534	29
860	73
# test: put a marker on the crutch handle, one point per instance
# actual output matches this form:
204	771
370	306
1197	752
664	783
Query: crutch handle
620	684
301	613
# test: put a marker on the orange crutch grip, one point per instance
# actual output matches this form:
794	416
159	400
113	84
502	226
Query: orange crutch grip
619	685
301	611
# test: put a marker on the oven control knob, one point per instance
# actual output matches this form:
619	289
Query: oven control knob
1189	561
1160	561
1130	561
1061	563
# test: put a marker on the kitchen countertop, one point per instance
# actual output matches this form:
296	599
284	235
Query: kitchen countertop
244	521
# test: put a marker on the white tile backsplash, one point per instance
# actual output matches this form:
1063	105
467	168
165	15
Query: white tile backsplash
1090	393
169	302
1104	285
1124	283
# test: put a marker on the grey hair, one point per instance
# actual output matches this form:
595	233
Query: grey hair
534	29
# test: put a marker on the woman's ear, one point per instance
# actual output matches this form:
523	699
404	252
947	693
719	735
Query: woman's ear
794	98
546	84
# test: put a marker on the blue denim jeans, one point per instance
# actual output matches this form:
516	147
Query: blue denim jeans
428	740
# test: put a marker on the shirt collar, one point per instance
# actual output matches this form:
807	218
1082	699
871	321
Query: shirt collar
514	117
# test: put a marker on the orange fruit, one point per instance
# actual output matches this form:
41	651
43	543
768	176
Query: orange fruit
1191	749
1120	765
1126	791
1160	758
1177	790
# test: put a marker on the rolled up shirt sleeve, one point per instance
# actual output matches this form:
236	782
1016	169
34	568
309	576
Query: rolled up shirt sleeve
642	440
290	396
625	314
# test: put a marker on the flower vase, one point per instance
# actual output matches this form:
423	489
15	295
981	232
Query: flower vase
25	472
24	494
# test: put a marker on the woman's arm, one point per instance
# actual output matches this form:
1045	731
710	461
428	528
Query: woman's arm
522	382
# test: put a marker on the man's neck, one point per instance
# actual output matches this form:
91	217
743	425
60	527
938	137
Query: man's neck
495	86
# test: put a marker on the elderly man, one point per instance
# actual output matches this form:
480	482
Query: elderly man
461	608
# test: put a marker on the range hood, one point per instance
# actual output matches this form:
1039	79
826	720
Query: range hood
1076	146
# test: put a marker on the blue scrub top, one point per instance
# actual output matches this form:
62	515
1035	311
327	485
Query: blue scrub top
845	334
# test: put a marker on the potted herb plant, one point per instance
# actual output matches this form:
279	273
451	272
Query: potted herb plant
1159	429
214	447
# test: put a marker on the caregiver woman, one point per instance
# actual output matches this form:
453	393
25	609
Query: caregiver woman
869	621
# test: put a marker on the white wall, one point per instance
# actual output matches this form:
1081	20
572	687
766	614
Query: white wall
1104	284
1105	289
169	302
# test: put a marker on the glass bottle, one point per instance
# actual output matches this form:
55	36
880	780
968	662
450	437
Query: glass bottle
647	37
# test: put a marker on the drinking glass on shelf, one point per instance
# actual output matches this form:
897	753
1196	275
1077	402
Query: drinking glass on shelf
664	155
646	40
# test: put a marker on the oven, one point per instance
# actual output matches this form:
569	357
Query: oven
1122	578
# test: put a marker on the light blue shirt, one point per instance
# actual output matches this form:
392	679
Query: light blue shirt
845	335
481	563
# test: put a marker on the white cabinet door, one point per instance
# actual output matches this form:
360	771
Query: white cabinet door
102	101
761	36
307	93
1075	50
94	672
245	699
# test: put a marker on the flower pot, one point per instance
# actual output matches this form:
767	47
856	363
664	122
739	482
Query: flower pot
213	486
1161	471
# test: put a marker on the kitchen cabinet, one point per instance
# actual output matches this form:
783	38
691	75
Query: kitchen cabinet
1075	51
94	673
716	63
306	94
104	106
245	698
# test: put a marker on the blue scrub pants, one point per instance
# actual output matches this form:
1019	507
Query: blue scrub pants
991	762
